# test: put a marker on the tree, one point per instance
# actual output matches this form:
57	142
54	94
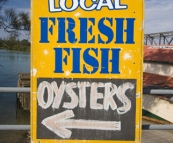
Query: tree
1	43
14	22
13	43
25	42
2	2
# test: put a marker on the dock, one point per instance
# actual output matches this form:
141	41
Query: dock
24	98
156	136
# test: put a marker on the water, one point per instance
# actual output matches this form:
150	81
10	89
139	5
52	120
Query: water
11	63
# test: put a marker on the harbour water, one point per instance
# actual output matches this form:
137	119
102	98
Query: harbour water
12	63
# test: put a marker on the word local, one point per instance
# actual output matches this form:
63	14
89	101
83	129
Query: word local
111	28
95	4
110	90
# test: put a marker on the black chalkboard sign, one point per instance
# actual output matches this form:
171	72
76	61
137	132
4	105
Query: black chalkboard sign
86	109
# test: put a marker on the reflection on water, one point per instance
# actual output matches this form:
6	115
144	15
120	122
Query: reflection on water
11	63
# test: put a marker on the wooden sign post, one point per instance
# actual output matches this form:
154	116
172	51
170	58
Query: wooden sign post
86	64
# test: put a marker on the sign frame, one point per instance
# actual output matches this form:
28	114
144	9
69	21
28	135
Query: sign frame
98	45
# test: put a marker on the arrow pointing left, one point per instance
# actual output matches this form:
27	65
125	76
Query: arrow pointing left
60	122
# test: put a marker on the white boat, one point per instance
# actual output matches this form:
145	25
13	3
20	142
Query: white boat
158	74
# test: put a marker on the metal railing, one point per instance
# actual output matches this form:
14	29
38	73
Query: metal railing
145	91
14	127
14	89
144	127
160	38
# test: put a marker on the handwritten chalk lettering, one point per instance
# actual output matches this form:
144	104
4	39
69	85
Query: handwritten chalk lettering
61	122
82	93
73	96
110	90
96	5
123	98
41	90
58	93
73	55
112	28
95	95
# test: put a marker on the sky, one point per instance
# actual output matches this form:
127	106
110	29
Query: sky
158	14
21	5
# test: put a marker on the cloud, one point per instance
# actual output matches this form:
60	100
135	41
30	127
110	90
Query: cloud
158	16
18	3
26	10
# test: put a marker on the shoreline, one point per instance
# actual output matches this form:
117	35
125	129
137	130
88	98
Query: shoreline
15	51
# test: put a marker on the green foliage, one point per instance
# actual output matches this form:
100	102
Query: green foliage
1	43
14	22
25	42
12	43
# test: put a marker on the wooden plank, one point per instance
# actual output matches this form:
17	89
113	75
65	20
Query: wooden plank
24	98
26	105
158	68
159	107
24	76
155	120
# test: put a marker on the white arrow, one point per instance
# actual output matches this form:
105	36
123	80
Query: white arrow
58	124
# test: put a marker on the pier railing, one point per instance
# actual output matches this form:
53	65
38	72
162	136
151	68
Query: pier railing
144	127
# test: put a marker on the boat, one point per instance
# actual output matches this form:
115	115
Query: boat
158	74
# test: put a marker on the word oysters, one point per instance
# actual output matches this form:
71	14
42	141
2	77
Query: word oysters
110	90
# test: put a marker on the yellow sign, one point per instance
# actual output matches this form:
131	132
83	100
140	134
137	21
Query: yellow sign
86	68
